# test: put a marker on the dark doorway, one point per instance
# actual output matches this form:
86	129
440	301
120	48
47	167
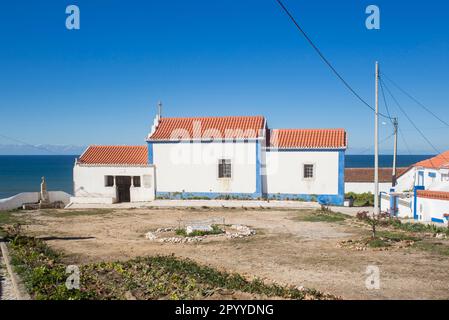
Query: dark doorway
123	184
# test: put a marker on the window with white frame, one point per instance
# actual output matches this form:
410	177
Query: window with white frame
445	177
308	171
224	168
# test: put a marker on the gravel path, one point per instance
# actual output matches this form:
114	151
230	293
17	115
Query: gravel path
6	289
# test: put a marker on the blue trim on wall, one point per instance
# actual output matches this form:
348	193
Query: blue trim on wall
308	150
258	169
341	176
150	153
207	195
328	199
415	201
437	220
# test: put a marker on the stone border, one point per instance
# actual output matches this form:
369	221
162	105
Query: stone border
18	287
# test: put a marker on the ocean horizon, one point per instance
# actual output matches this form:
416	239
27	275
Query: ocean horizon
23	173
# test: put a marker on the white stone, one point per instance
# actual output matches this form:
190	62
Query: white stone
206	228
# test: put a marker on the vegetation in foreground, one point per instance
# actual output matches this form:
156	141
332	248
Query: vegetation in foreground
158	277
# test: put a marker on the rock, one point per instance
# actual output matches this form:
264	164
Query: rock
191	229
440	236
150	236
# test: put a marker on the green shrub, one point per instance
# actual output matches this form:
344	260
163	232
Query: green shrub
361	199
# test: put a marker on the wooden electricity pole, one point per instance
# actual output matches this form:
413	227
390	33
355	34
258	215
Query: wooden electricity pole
376	146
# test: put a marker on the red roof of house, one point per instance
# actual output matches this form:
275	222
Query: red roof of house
429	194
367	174
209	127
308	138
129	155
437	162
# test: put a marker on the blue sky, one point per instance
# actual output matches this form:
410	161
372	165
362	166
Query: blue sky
101	84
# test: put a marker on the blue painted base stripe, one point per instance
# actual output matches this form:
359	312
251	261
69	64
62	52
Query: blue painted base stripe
329	199
437	220
208	195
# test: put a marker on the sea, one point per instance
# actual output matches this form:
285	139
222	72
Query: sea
23	173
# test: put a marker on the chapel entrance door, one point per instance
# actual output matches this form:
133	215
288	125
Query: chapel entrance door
123	184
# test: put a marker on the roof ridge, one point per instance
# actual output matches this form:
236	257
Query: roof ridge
213	117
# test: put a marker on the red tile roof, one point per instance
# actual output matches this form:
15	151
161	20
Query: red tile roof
367	174
429	194
437	162
308	138
128	155
209	127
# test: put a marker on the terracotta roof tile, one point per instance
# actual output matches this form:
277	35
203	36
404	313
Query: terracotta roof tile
437	162
209	127
367	174
308	138
129	155
429	194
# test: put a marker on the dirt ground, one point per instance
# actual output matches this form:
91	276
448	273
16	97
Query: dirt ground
285	249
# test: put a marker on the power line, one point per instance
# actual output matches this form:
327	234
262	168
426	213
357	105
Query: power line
25	143
326	61
385	102
412	122
415	100
382	141
405	141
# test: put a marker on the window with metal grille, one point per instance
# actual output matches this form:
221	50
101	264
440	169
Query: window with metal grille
308	171
136	181
109	181
224	168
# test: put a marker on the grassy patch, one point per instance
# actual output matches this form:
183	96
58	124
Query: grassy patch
419	227
433	247
9	218
159	277
321	216
215	230
74	213
396	236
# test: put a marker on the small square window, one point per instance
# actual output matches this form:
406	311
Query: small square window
136	181
308	172
224	168
109	181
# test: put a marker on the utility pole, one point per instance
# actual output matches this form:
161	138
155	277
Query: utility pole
376	146
395	151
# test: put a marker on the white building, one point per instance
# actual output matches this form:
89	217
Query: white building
220	157
306	164
109	174
423	190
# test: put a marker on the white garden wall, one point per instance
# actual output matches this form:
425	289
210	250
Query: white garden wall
20	199
362	187
432	208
